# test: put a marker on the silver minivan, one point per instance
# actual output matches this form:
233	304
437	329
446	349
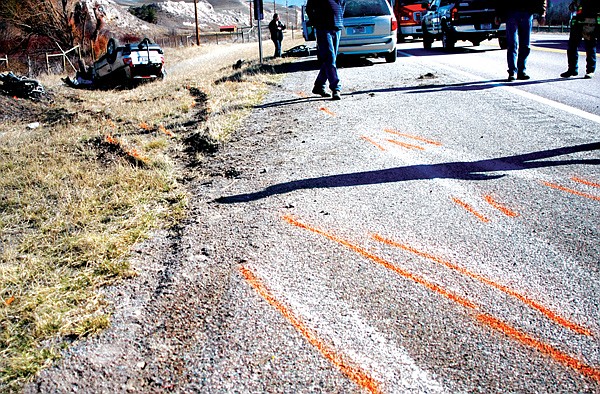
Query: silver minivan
370	29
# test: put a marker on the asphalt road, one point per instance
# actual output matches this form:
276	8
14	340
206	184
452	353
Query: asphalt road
436	234
435	231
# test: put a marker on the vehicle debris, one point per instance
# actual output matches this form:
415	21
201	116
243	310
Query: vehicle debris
21	86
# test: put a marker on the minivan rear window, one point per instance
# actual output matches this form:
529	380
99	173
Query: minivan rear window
357	8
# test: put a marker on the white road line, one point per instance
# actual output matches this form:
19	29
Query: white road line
534	97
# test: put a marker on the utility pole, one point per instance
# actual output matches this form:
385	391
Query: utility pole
274	9
196	16
251	19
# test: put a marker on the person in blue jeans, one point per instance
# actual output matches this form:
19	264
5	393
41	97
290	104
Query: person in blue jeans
584	26
327	17
276	28
518	15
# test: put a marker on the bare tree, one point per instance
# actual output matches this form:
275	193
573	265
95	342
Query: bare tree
53	19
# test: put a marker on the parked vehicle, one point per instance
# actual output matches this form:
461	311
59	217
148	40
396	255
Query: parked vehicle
409	14
129	63
465	20
370	29
308	31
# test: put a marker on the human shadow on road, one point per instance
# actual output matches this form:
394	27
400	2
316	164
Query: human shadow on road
427	88
473	171
422	52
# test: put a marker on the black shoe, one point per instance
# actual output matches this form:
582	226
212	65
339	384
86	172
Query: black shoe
511	78
320	92
336	96
523	77
568	74
589	75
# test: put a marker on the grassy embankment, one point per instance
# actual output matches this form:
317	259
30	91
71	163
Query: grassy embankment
97	177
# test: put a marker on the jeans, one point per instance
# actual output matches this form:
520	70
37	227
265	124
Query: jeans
277	44
518	39
328	43
575	38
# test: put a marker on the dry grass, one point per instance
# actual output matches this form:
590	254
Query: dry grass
99	176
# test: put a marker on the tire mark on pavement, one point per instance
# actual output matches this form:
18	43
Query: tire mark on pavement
483	318
361	377
414	137
508	212
405	145
530	341
364	137
572	191
585	182
531	303
470	209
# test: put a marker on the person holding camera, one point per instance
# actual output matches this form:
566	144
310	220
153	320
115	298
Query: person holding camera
584	25
276	28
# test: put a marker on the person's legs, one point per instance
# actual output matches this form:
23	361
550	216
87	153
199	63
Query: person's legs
524	30
590	50
511	43
277	44
575	37
328	43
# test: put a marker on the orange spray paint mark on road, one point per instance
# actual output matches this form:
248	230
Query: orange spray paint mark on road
585	182
302	94
470	209
327	111
490	200
572	191
414	137
528	340
355	373
533	304
430	285
405	145
364	137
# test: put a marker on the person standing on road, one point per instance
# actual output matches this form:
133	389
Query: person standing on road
518	15
584	25
276	28
327	16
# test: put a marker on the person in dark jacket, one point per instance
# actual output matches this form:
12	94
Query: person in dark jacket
327	17
584	25
518	15
276	28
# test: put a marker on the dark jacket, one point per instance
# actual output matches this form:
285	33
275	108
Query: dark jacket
504	7
585	8
276	28
326	14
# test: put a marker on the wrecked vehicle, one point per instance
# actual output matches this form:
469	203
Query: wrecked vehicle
123	64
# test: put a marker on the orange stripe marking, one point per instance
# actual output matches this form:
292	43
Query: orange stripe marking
405	145
528	340
364	137
327	111
583	181
470	209
431	286
414	137
355	373
490	200
483	318
572	191
533	304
